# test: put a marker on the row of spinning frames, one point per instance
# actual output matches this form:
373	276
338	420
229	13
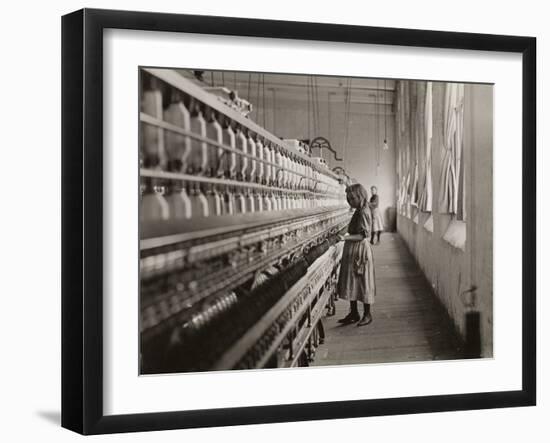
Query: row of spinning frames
238	251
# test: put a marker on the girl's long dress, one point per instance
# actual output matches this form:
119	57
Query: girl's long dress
377	220
356	279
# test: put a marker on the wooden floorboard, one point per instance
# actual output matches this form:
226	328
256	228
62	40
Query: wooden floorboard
409	322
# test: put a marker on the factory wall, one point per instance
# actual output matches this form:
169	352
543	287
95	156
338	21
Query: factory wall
450	270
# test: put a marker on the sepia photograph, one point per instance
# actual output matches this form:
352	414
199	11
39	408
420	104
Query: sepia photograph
300	220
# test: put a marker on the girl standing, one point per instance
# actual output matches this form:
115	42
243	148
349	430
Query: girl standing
356	279
376	216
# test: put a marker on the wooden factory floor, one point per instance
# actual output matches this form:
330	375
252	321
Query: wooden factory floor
409	323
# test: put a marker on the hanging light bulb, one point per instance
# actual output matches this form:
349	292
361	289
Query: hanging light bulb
385	146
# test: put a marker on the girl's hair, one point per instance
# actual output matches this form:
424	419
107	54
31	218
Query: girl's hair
358	191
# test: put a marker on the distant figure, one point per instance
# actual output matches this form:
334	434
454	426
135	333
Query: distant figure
376	216
199	75
356	279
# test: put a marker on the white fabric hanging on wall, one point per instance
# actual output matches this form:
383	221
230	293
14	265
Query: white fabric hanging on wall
414	148
426	197
401	102
416	191
461	188
408	195
398	182
452	144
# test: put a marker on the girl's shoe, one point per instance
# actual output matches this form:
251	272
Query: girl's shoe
352	317
366	320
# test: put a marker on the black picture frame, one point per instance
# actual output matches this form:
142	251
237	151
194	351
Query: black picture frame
82	219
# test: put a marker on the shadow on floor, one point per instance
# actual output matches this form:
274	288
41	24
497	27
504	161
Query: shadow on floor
54	417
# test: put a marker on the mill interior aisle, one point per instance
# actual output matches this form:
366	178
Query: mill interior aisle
409	322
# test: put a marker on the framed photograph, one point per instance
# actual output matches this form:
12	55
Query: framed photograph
269	221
